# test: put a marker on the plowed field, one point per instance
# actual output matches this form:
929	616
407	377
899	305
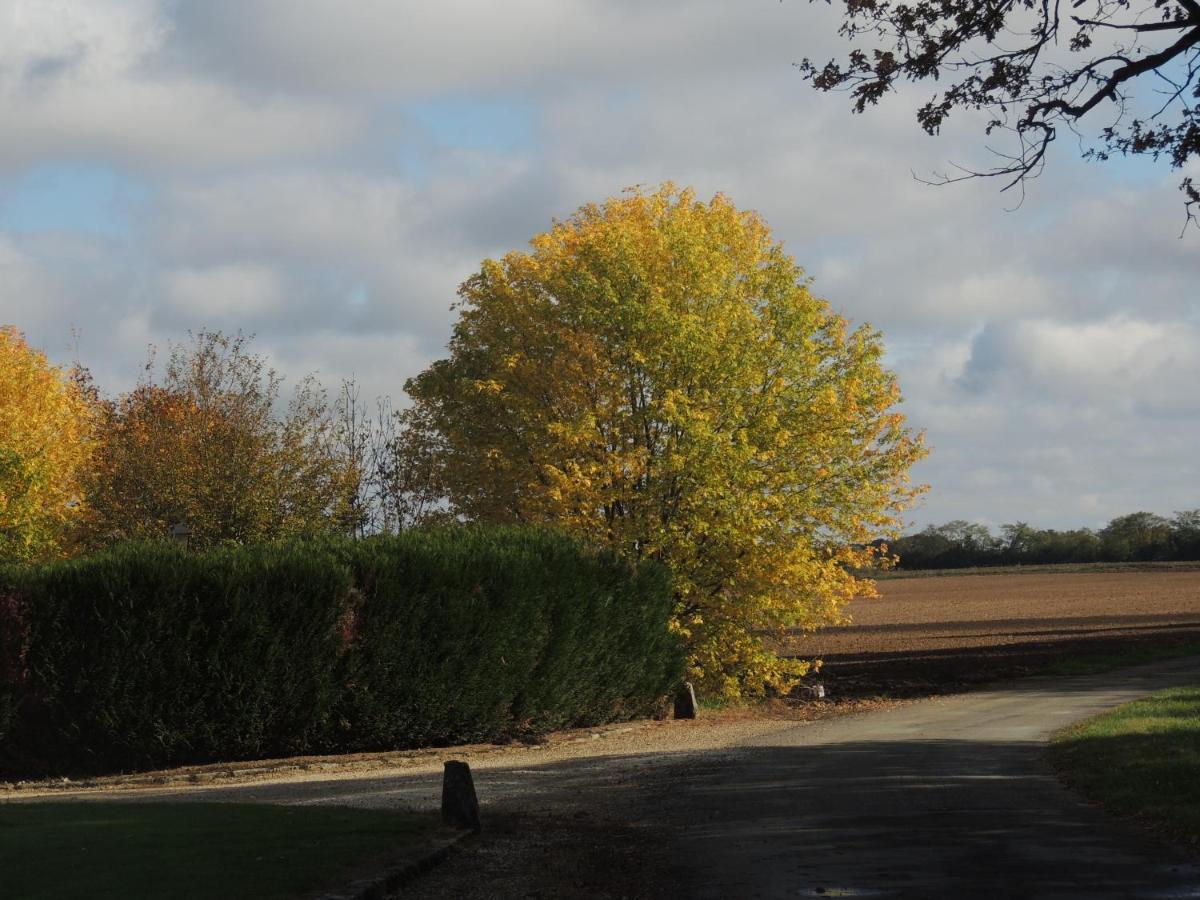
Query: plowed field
929	634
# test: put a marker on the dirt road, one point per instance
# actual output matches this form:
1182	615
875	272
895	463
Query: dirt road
948	797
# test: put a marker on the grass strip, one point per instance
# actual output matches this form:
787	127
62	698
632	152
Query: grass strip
1090	664
193	851
1141	759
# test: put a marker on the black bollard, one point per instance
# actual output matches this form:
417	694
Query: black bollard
460	806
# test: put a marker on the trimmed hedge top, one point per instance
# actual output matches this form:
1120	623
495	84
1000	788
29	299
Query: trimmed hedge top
147	656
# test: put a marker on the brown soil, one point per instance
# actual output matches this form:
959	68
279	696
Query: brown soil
930	635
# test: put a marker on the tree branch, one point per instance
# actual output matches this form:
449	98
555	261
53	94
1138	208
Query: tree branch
1152	26
1119	77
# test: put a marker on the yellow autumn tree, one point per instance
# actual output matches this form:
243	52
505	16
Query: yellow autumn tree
45	427
654	373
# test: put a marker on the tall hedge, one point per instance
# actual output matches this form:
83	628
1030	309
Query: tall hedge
148	656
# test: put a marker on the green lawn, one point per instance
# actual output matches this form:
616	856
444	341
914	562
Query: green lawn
55	851
1141	759
1090	663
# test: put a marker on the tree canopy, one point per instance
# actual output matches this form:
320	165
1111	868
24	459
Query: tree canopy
207	448
654	373
45	443
1036	67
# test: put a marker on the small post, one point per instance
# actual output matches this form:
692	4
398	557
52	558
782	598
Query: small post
181	533
685	701
460	806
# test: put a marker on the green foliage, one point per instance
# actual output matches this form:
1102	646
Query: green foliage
468	634
1140	536
147	656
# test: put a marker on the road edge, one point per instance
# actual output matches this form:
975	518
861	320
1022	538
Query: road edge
390	879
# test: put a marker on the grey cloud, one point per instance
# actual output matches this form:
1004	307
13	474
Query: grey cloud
83	80
390	48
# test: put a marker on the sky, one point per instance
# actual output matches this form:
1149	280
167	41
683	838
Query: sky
324	174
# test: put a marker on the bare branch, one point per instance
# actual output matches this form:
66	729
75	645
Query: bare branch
1152	26
1119	77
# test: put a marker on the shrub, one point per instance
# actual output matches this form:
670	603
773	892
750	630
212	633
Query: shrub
147	656
469	634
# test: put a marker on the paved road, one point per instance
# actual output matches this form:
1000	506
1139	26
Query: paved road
946	798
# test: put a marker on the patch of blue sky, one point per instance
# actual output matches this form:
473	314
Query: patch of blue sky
81	197
415	162
344	285
812	252
502	125
1154	99
505	126
1135	169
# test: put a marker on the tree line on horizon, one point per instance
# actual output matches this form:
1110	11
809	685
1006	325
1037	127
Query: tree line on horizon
1136	537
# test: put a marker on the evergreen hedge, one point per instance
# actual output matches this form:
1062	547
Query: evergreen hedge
147	656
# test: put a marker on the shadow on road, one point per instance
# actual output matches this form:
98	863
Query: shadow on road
945	670
887	818
913	818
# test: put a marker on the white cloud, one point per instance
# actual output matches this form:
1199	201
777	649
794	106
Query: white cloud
225	293
377	363
1121	364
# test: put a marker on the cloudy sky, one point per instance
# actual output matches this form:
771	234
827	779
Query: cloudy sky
324	173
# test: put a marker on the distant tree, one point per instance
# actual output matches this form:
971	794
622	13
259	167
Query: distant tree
46	421
655	374
1185	535
1036	67
953	545
355	437
959	543
408	471
1019	541
969	537
1139	536
395	463
927	549
207	448
1077	546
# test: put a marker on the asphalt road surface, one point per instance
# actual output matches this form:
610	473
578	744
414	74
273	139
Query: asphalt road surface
944	798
